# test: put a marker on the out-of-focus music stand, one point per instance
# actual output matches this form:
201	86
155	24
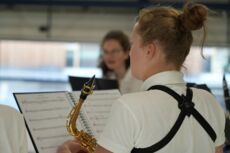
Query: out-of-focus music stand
199	86
100	84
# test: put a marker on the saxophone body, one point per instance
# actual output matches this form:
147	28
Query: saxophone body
86	140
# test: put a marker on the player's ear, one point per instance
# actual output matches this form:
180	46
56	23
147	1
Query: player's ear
150	50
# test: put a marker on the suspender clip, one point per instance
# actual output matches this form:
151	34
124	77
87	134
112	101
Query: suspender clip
186	105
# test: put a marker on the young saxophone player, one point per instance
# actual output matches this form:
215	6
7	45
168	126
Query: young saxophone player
166	115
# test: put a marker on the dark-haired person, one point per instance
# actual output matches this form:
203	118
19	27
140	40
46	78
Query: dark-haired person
115	61
13	138
166	116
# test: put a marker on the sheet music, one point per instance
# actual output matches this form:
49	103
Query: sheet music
45	115
95	111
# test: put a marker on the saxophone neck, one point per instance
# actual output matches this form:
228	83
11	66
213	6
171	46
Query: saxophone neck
74	113
86	140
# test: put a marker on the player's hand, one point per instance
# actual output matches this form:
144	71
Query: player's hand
71	146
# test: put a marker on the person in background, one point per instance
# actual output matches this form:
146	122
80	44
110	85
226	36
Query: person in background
13	138
166	115
115	61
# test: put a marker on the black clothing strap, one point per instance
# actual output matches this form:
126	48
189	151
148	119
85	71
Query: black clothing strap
186	106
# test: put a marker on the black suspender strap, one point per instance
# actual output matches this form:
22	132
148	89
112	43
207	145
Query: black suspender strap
186	106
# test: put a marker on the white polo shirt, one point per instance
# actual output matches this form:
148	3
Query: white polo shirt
142	119
12	131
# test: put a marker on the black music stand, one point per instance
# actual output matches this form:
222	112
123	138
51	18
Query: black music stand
199	86
100	84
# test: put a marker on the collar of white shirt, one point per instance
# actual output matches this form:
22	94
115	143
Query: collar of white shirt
163	78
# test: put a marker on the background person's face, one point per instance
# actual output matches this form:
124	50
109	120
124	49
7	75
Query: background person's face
113	54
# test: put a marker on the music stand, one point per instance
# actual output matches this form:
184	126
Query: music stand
100	84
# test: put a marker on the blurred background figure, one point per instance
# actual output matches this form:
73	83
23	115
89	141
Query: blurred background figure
12	130
115	61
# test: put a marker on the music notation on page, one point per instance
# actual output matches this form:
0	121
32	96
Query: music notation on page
45	114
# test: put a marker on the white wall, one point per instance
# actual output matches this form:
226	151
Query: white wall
87	26
72	26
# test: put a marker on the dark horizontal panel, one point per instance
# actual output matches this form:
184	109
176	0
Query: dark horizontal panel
106	3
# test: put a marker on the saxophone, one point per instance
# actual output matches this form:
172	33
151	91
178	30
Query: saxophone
86	140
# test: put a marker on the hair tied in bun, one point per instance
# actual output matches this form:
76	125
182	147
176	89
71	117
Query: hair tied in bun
194	16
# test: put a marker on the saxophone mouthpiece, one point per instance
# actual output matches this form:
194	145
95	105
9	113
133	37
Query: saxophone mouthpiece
87	88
